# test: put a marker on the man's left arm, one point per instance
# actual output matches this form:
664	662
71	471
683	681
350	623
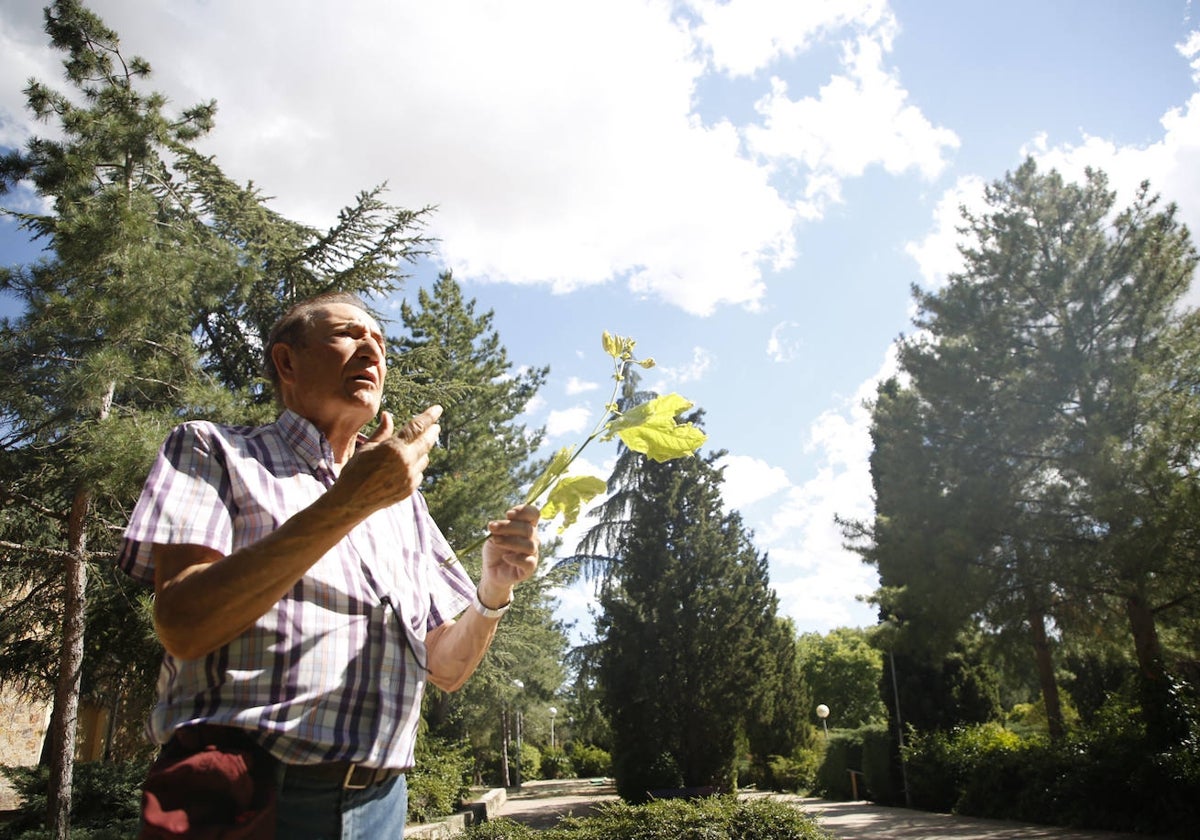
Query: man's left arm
510	555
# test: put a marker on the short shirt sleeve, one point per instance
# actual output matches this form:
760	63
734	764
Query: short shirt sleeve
185	501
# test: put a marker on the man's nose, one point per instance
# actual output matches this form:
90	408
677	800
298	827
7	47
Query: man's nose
371	349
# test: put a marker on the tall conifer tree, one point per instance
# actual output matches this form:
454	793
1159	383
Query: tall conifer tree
451	354
688	635
159	280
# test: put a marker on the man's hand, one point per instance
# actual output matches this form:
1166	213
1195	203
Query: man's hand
390	466
510	554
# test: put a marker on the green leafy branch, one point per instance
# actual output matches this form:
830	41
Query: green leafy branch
649	428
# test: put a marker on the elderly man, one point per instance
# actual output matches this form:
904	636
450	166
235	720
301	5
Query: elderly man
303	593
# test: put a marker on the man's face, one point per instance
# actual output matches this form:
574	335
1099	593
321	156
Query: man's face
337	372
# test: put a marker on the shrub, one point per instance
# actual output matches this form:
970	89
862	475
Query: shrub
940	765
636	777
590	761
714	818
879	764
439	781
531	762
843	753
796	773
556	764
105	803
1105	776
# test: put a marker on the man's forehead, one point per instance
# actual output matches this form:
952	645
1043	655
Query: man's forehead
345	314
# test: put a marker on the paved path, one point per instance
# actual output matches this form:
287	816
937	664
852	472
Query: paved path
542	804
865	821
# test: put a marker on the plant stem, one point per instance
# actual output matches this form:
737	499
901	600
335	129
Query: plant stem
620	365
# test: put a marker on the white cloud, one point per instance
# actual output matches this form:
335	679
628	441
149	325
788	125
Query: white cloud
745	36
576	386
749	480
937	254
816	577
781	346
690	371
567	421
550	161
1172	166
858	120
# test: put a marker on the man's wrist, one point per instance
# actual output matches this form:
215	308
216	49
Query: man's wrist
484	604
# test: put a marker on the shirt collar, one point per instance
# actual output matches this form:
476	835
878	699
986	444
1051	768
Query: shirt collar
307	441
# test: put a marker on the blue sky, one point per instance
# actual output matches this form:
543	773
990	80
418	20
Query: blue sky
749	188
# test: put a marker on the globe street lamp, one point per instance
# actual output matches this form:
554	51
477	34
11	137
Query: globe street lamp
822	713
553	714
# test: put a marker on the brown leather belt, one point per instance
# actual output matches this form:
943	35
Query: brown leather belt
343	774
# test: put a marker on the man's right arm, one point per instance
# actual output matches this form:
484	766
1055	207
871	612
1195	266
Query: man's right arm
204	600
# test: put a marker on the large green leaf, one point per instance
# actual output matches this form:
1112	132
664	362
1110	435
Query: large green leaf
650	428
569	496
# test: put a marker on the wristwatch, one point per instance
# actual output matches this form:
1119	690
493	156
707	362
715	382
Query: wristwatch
486	611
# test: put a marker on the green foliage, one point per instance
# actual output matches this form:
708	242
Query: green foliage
556	764
531	761
795	774
691	649
714	818
590	761
881	765
106	802
1102	777
843	671
440	781
1035	468
648	427
1028	719
867	752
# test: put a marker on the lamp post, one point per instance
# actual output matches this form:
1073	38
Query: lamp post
892	630
520	687
899	729
823	713
553	714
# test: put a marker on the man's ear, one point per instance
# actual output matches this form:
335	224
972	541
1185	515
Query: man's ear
285	362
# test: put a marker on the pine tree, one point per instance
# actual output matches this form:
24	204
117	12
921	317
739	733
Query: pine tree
452	355
687	631
159	280
1039	467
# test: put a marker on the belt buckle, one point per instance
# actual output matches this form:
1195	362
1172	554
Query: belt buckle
348	782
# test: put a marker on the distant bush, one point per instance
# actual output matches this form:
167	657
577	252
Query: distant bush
557	765
590	761
106	800
531	762
1104	776
796	773
715	818
440	780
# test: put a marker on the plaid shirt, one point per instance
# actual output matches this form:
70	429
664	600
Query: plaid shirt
335	670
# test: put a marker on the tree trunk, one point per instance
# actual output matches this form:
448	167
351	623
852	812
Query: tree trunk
1045	670
64	719
1157	707
66	692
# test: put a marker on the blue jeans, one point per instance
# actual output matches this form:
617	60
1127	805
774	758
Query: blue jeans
320	811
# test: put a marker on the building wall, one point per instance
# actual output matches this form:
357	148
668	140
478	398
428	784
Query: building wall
23	724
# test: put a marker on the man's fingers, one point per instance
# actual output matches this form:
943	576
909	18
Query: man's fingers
384	430
420	424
